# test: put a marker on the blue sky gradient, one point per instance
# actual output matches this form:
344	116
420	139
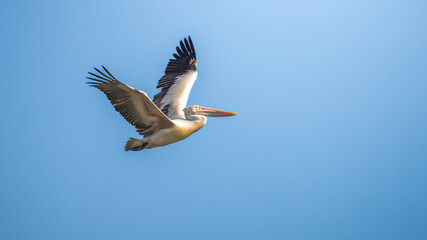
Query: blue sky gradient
330	141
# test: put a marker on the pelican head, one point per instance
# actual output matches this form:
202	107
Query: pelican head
209	112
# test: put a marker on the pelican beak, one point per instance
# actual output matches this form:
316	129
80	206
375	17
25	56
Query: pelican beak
210	112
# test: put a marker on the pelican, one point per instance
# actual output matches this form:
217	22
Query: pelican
166	119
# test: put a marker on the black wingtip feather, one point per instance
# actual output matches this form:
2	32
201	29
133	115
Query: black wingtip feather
187	45
104	79
103	74
111	75
192	47
183	48
178	50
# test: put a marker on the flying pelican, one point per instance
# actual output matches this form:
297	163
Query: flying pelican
166	119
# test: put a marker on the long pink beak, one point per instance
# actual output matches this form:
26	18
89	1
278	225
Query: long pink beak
210	112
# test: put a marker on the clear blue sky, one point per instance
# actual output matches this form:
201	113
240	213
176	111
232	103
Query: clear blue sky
330	141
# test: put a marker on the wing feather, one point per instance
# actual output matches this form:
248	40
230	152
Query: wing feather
134	105
176	84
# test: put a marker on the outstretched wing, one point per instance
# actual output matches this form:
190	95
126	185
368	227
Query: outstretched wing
178	80
134	105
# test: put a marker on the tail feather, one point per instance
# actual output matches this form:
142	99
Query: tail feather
134	144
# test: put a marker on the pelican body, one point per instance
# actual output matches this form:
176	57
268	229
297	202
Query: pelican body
166	119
